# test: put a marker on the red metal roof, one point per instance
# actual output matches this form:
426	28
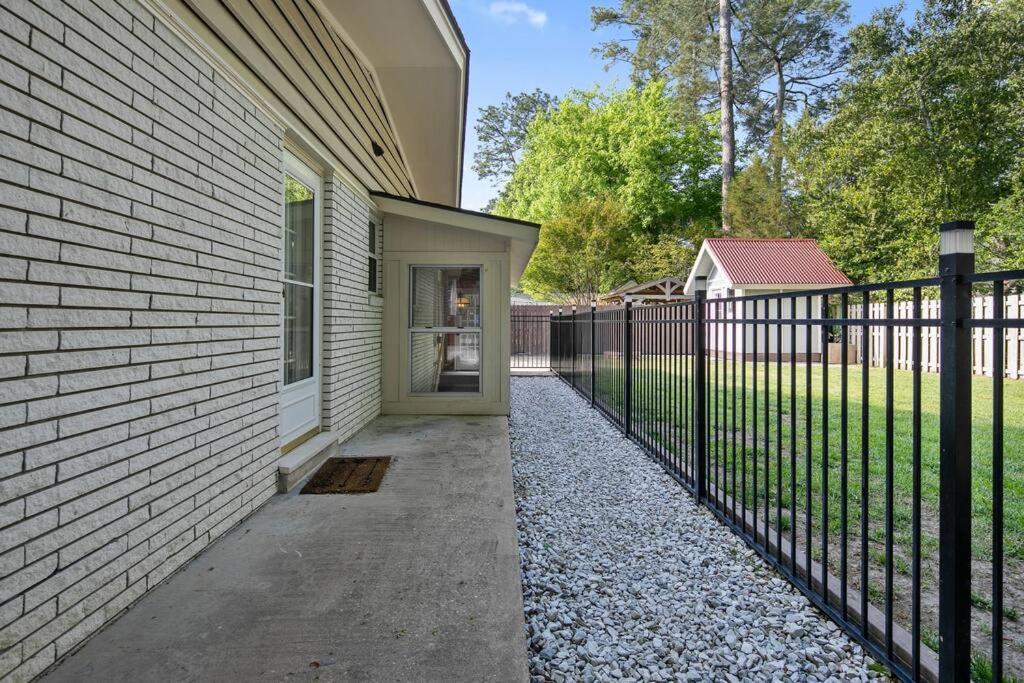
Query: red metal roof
798	261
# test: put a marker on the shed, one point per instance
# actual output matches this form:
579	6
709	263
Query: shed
744	267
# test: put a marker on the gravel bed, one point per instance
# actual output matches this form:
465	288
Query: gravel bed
626	578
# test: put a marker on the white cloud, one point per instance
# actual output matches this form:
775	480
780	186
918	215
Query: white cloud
512	12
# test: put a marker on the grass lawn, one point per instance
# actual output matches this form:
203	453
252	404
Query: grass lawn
658	396
659	406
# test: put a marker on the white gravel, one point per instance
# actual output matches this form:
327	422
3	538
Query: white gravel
626	578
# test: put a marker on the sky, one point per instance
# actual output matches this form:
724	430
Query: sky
519	45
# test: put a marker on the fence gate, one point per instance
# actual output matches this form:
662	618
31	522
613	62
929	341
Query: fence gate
531	336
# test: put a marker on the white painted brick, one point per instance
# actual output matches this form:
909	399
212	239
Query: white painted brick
95	339
26	577
94	501
158	206
26	389
34	665
70	361
83	381
103	417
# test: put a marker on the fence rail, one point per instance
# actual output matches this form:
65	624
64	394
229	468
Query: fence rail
982	339
856	482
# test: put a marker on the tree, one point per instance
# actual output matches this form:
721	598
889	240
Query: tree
580	252
682	42
652	259
756	208
501	131
928	129
726	104
624	147
790	53
674	41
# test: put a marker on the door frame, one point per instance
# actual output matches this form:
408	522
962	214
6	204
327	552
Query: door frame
304	173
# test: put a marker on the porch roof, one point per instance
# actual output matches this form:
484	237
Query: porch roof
522	235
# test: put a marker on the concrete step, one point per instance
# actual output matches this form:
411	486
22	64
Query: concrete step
304	459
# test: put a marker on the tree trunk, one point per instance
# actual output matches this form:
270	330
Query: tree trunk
726	105
779	121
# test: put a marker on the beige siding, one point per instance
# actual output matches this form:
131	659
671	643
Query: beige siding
411	241
298	56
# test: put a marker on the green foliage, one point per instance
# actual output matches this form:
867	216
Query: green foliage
652	259
789	54
627	148
671	40
626	145
755	207
501	132
580	252
927	129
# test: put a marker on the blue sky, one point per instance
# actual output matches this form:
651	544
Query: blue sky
519	45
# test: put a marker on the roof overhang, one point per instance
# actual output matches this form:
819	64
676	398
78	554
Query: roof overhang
521	235
421	62
702	265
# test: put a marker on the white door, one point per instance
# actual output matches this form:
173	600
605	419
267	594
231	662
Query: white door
300	330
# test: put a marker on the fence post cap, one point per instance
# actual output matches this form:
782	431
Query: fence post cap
627	299
956	237
593	303
956	225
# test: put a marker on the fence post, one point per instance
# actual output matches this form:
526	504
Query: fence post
700	390
558	340
956	260
593	351
627	362
572	349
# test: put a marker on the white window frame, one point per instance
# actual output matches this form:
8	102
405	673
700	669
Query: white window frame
410	330
304	173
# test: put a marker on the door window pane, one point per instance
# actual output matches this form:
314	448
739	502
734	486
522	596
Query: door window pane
298	332
445	297
299	231
443	362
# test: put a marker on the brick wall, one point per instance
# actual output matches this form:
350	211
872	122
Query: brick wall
140	202
353	317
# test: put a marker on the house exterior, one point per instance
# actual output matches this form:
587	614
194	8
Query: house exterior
227	242
735	267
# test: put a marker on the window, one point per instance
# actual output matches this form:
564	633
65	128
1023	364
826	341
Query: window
299	280
371	269
444	329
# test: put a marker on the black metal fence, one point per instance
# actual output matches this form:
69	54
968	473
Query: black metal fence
857	483
531	336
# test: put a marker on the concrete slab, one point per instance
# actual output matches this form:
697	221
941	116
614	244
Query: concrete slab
531	372
416	582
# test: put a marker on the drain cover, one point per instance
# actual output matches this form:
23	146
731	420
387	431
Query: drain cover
348	475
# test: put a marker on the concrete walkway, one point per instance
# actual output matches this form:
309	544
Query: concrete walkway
417	582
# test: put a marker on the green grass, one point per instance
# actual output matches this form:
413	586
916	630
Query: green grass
657	400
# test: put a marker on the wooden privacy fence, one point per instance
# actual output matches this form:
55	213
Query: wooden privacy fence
982	351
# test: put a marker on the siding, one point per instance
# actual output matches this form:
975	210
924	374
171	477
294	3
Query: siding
140	247
352	316
301	59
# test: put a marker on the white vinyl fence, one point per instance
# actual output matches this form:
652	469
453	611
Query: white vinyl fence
1013	352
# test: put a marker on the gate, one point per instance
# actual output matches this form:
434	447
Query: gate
531	336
